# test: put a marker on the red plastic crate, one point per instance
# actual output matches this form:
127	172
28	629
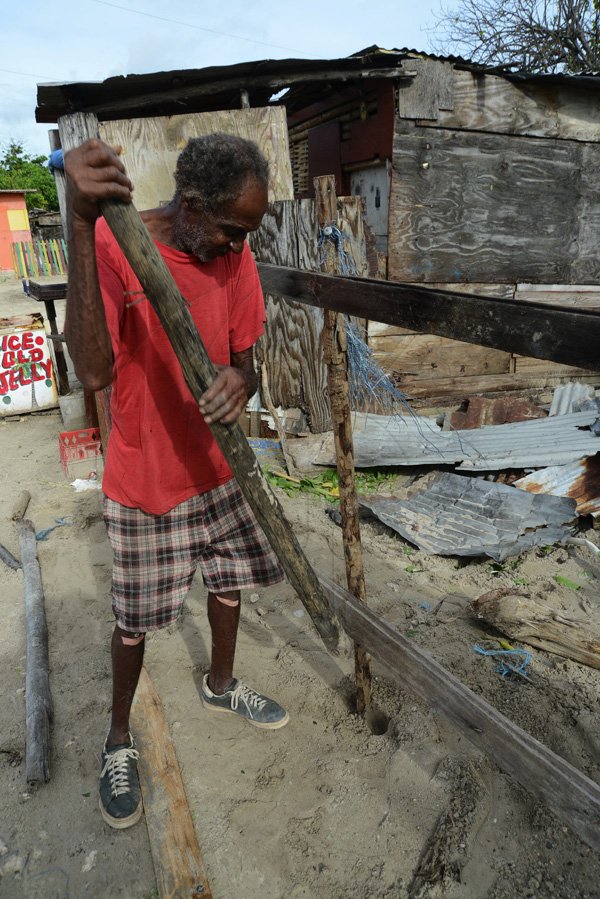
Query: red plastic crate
80	452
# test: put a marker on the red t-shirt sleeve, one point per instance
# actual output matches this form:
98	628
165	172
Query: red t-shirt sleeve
247	314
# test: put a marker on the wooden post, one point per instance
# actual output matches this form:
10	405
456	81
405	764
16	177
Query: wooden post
336	359
172	310
38	699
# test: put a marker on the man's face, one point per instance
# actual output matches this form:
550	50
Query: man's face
207	236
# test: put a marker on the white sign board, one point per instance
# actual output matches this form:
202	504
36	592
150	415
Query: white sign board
27	380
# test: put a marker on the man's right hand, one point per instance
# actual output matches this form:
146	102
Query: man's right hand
94	172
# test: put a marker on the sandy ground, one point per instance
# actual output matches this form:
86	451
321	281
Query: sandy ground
329	807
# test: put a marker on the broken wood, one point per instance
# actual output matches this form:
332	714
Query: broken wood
173	312
527	621
529	329
38	699
335	356
7	557
572	796
174	845
20	506
266	397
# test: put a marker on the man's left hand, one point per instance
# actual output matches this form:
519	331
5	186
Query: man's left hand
226	397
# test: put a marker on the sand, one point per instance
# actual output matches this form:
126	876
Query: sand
331	806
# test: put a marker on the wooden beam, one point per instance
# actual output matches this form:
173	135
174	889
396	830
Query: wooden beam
572	796
173	842
529	329
181	95
174	314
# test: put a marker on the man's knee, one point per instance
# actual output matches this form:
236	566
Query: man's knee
127	638
228	599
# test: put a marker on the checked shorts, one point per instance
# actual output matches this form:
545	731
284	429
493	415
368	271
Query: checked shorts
155	556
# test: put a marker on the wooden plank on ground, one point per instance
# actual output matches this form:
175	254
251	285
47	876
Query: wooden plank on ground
572	796
530	329
175	850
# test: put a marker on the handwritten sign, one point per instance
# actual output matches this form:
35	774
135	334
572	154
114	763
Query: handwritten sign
27	379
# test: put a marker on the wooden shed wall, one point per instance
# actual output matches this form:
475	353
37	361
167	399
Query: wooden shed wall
495	189
151	147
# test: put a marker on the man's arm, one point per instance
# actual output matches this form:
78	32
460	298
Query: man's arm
227	396
94	172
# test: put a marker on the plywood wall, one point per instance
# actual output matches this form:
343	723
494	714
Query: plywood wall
151	147
291	347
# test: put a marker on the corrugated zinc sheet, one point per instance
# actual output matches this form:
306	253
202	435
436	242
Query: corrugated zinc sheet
460	516
570	398
579	480
415	440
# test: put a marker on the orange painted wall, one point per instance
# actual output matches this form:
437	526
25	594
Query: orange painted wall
11	202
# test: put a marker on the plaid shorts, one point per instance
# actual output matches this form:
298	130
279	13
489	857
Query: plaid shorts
155	556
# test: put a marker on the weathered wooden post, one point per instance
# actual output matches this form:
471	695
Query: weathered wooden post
171	308
336	359
38	699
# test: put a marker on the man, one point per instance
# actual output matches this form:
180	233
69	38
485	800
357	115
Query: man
170	501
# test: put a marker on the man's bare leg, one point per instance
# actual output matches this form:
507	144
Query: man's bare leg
127	658
224	618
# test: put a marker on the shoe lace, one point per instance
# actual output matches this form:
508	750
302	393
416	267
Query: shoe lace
117	767
250	698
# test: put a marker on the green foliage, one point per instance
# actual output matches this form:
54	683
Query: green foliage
565	582
327	483
20	170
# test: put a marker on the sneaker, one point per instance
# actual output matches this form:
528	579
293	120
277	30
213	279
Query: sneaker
120	794
239	699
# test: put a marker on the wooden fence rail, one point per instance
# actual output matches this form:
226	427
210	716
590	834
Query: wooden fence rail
35	258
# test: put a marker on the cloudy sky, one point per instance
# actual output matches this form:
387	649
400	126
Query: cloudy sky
89	40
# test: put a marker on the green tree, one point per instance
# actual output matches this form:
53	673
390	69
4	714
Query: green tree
526	35
20	170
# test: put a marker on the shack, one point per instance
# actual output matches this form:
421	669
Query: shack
471	178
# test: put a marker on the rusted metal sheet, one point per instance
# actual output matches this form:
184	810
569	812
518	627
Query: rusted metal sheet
461	516
415	440
580	481
481	411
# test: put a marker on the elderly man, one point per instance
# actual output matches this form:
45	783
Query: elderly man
170	502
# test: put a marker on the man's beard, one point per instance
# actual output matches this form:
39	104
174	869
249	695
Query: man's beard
190	239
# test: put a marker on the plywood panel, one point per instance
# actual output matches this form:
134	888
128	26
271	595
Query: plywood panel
455	388
291	348
490	103
536	368
578	296
424	357
477	207
291	345
151	147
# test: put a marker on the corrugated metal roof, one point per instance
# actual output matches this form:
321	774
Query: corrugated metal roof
218	87
414	440
579	480
459	516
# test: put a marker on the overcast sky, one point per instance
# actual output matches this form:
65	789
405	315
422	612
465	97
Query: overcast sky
89	40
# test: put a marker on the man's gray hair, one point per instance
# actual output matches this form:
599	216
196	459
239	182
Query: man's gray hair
213	170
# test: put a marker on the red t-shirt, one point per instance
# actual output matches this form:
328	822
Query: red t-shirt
160	451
